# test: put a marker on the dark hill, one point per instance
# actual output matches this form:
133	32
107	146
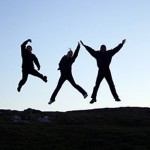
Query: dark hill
98	129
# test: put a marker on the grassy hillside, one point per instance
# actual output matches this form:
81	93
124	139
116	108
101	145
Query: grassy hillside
98	129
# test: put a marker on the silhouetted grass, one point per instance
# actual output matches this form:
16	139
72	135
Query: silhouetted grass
101	129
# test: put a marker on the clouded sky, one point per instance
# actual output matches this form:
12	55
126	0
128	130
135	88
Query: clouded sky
56	25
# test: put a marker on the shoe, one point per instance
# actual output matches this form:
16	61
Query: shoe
51	101
19	88
93	100
85	95
117	99
45	78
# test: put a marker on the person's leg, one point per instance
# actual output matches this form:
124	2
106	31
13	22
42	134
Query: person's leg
59	85
37	74
76	86
110	82
23	80
99	78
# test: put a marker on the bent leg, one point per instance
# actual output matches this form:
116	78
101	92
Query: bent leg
37	74
76	86
111	84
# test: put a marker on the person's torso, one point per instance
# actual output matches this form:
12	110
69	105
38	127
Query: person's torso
104	59
27	60
66	64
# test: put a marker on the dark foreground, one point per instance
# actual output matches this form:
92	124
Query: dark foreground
99	129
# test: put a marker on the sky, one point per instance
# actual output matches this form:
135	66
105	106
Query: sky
57	25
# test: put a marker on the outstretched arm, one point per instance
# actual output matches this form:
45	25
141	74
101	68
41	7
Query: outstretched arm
76	52
117	48
89	49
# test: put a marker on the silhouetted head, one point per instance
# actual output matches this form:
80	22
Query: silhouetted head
70	53
103	48
29	48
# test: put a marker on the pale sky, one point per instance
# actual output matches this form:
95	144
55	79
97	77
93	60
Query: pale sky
56	25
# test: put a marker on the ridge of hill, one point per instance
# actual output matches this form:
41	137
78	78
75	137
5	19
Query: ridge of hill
124	128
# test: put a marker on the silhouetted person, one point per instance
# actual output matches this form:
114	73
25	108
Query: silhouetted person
103	58
28	61
65	67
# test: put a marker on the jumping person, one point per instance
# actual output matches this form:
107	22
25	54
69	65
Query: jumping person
65	67
103	58
28	60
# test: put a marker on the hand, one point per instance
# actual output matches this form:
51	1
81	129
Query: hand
81	42
29	40
123	41
78	44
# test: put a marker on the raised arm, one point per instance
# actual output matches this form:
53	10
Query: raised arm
117	48
76	52
89	49
23	45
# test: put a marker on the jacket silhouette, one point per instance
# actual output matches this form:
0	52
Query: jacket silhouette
65	64
65	67
28	61
103	58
